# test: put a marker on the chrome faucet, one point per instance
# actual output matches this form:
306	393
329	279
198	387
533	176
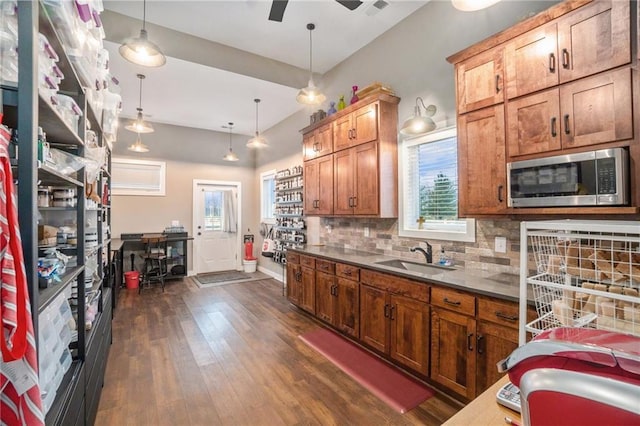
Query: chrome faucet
428	253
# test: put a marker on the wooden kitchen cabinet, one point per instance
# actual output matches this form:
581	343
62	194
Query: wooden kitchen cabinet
308	290
294	282
586	112
493	344
356	181
409	340
482	171
318	186
325	306
318	142
337	302
374	327
480	81
358	127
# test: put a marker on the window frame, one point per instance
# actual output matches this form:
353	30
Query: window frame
157	168
406	143
269	174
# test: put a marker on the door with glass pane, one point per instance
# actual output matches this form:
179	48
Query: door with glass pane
216	229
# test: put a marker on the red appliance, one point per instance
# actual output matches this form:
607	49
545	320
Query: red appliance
577	376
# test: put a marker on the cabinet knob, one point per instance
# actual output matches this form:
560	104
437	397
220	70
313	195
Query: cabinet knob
554	133
469	342
497	83
552	62
386	310
565	58
567	130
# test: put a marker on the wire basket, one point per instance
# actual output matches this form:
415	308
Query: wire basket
585	274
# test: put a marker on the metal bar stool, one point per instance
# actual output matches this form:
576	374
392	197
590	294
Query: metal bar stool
155	260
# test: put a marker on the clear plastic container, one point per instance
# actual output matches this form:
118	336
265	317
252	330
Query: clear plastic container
68	109
64	162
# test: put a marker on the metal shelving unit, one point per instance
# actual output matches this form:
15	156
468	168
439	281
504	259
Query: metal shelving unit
290	227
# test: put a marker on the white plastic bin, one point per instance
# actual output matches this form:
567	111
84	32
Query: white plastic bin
250	265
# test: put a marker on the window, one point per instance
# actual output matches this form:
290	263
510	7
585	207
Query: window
137	177
267	196
429	189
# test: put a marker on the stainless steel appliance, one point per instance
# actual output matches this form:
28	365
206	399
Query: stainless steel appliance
594	178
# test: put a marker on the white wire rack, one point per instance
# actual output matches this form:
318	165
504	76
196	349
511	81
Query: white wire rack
581	274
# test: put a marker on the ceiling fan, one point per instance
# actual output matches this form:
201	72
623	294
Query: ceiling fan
278	7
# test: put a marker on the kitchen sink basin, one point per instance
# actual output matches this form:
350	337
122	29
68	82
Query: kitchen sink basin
421	268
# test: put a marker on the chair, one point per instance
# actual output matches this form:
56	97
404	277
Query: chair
155	260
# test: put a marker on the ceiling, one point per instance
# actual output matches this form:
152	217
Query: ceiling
270	59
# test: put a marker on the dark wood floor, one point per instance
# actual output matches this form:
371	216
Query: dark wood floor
230	355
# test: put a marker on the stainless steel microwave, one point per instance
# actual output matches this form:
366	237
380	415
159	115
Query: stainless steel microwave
594	178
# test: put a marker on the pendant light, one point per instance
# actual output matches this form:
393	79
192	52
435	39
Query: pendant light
257	141
141	51
139	125
472	5
138	146
419	124
231	156
310	95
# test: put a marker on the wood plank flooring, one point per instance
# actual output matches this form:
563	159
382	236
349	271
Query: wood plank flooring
230	355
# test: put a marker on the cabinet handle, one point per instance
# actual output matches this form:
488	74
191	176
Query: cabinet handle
391	312
479	339
552	62
567	130
565	58
506	317
386	310
333	290
469	342
355	202
500	199
497	83
452	302
355	133
315	147
553	127
316	204
347	272
350	201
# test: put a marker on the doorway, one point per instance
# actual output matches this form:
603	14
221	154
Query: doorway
216	225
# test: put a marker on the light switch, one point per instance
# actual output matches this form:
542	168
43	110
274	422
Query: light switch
501	245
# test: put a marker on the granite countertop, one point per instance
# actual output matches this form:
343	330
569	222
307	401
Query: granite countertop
499	285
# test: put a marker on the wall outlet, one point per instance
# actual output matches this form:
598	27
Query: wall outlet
501	245
366	231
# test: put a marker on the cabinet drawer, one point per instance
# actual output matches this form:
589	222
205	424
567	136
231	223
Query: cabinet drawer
325	266
293	258
396	285
453	300
348	271
309	262
499	312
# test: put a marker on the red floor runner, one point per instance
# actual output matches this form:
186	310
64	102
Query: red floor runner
400	391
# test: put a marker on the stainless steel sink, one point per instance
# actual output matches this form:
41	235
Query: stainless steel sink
421	268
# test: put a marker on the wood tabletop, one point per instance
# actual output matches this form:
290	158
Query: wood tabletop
484	410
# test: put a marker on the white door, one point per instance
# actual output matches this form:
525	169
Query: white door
215	227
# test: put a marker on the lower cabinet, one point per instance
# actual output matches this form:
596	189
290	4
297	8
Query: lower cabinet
294	282
494	343
308	290
337	302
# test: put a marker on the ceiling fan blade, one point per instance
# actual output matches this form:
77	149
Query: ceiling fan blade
350	4
277	10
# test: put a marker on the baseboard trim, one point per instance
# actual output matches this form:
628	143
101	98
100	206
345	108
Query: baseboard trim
272	274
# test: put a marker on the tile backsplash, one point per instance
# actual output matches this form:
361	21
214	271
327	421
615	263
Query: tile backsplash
383	238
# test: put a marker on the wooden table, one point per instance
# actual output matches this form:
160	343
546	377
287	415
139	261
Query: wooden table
484	410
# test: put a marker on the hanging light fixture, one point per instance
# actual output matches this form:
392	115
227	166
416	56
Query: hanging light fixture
138	146
419	124
139	125
472	5
310	95
257	141
140	50
231	156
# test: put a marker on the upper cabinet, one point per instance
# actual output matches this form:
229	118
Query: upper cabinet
359	176
480	81
560	82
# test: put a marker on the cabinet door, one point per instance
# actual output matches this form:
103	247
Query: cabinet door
532	61
325	185
453	361
594	38
325	297
410	333
365	196
493	344
342	131
308	290
597	109
311	187
480	81
534	123
343	182
365	122
309	147
348	307
294	280
374	326
324	140
481	162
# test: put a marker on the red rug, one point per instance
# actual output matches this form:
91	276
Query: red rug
397	389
